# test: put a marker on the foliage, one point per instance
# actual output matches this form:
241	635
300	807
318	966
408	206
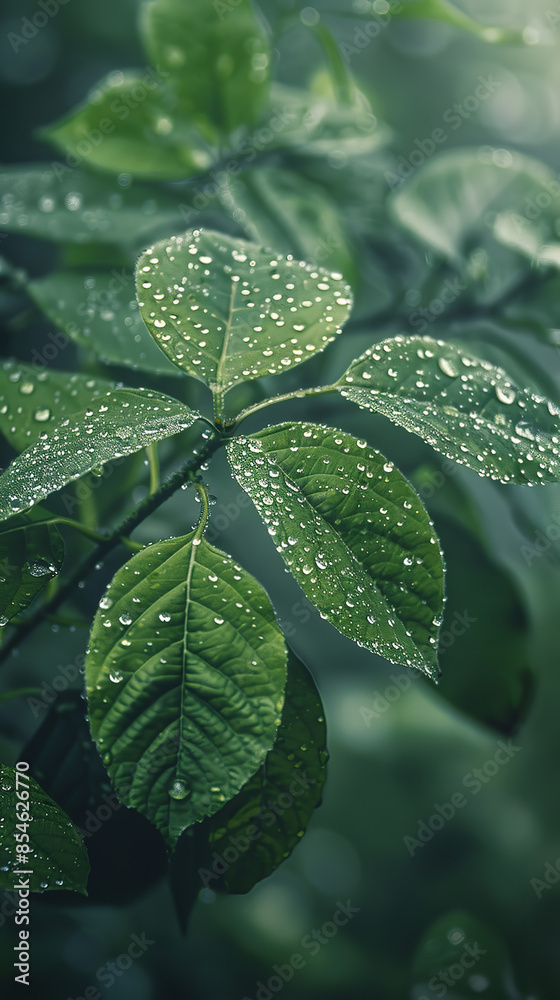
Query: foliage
198	709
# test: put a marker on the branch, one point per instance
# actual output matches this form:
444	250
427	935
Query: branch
114	538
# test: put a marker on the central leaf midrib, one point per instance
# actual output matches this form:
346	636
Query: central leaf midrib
223	356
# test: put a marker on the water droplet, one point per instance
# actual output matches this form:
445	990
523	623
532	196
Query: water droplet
178	790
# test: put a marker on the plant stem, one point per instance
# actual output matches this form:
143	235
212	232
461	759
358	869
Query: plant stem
112	540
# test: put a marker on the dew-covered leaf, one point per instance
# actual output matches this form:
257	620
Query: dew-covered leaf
285	210
50	848
353	533
33	398
31	554
142	133
276	804
227	311
185	680
116	423
214	56
452	201
462	406
69	205
98	310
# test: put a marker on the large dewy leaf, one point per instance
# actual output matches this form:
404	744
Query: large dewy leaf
31	554
117	423
52	852
33	398
226	311
142	134
353	533
277	803
462	406
98	310
68	205
185	679
214	56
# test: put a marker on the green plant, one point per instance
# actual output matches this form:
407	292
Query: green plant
200	712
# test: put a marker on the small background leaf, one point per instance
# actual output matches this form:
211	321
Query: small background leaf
98	310
69	205
214	56
144	135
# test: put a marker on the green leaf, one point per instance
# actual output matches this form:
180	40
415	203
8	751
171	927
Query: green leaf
226	311
214	57
116	423
462	406
535	311
318	127
68	205
486	670
185	680
449	13
33	399
31	554
281	209
353	533
57	858
138	127
294	771
453	199
98	310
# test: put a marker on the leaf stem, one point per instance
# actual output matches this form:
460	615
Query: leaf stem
298	394
153	459
115	538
